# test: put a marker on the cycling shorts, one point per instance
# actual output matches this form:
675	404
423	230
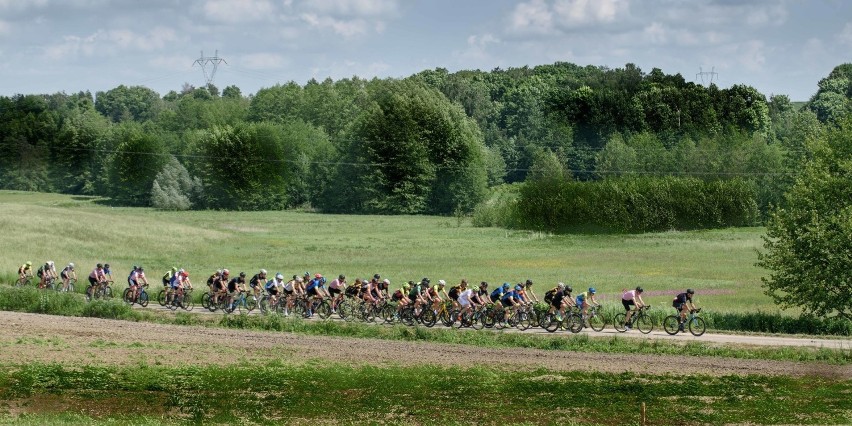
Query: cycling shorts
677	305
627	304
506	303
334	291
273	291
93	282
313	292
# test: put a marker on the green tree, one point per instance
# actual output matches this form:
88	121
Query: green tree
808	246
135	103
137	159
174	188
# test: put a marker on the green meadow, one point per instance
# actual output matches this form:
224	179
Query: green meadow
39	227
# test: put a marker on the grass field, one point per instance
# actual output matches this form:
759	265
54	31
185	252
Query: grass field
63	228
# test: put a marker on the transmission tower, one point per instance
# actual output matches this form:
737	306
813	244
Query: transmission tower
712	75
213	61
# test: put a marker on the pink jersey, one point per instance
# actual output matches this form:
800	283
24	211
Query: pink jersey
628	295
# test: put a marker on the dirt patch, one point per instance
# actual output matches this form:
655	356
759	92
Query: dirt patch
84	341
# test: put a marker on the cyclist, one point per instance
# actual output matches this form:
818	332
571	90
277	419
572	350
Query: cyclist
510	299
66	274
96	277
46	273
528	291
272	288
315	290
498	292
683	303
235	286
370	292
521	291
414	294
480	296
631	298
465	296
136	279
558	301
335	290
400	296
167	277
435	294
257	282
455	291
221	286
586	299
353	289
26	270
180	284
107	272
381	289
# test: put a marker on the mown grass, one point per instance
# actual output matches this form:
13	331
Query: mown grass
279	393
41	227
34	301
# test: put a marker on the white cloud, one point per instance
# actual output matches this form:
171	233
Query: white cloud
655	33
262	61
107	43
585	12
532	17
751	55
360	8
346	28
171	62
845	36
477	47
238	11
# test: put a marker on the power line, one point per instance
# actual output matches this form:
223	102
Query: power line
212	61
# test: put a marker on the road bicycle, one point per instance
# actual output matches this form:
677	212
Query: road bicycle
241	302
102	290
26	281
141	297
594	319
673	324
640	320
60	287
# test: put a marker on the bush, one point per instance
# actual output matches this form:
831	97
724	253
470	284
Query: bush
635	204
112	309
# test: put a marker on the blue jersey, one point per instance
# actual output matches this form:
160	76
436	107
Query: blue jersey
498	292
270	284
315	283
509	296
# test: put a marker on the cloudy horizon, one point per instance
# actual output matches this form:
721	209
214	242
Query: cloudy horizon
779	47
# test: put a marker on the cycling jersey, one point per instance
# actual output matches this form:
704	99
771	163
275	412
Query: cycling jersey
497	294
556	300
581	298
628	295
454	292
464	297
512	294
336	284
96	273
256	280
232	285
24	268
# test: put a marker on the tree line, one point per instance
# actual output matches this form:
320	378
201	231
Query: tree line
431	143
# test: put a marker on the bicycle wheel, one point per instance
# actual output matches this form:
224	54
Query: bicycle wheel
389	313
250	303
71	285
107	293
323	310
671	324
127	296
697	326
644	323
143	299
186	302
618	322
523	321
446	318
477	320
457	322
407	316
298	309
573	322
550	322
597	321
161	297
428	317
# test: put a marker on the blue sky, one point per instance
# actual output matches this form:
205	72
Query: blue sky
46	46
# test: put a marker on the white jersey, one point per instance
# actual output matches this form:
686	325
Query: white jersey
464	297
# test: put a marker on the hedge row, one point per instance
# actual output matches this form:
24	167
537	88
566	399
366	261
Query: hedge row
635	204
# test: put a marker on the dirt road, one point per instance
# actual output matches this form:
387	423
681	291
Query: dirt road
79	341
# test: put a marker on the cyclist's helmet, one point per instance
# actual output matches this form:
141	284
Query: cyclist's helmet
106	265
569	289
50	262
29	263
376	276
386	281
561	286
640	289
181	270
71	265
519	287
263	272
226	272
134	268
425	280
242	274
442	283
592	290
529	283
174	269
185	274
406	286
99	266
484	284
317	275
690	291
341	277
279	276
506	286
141	269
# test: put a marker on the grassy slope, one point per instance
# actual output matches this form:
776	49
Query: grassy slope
398	247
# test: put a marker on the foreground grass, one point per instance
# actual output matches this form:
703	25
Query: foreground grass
281	393
718	263
33	301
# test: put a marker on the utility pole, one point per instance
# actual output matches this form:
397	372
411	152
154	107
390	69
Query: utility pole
709	75
205	61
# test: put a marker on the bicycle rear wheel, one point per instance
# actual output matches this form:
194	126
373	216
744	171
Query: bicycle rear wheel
524	321
671	324
697	326
618	322
161	297
428	317
323	310
550	322
127	296
143	299
573	322
644	323
597	322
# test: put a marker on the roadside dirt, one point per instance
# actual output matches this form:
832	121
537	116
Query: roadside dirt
81	341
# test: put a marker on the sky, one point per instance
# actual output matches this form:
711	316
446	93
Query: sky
781	47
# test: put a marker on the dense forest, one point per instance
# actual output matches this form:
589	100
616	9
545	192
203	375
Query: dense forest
552	137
